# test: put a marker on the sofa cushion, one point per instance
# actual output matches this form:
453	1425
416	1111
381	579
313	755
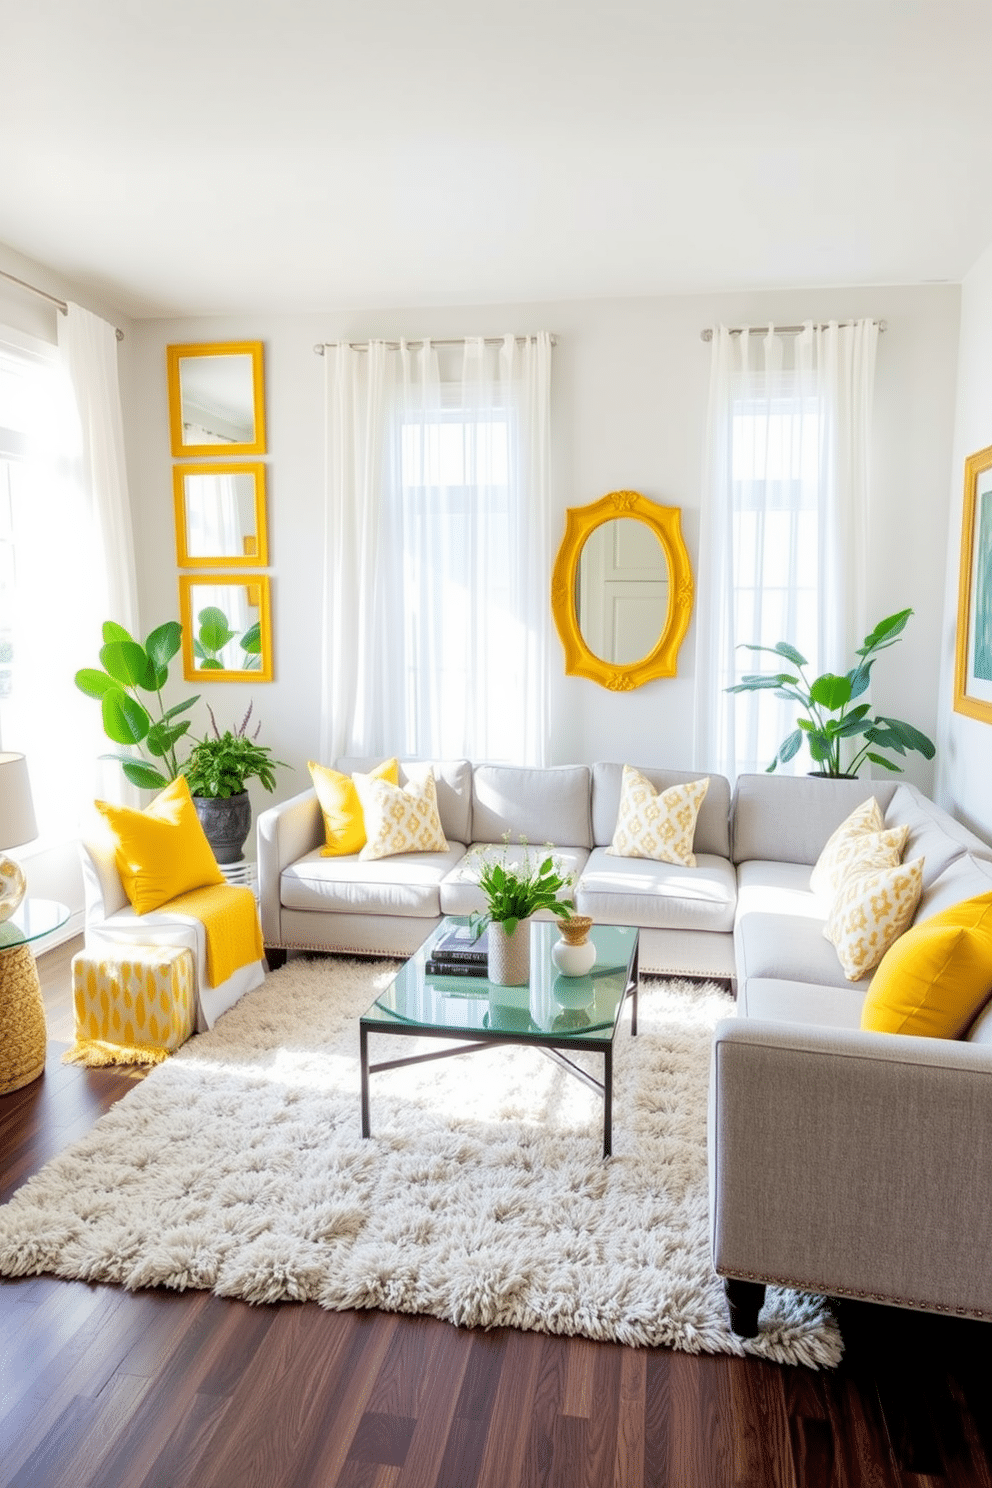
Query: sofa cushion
937	977
401	818
712	823
664	896
934	834
162	851
460	893
453	779
801	1002
341	806
789	818
869	914
966	877
404	885
660	825
779	928
540	805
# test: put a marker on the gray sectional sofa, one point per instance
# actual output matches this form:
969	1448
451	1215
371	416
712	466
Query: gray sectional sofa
389	907
841	1162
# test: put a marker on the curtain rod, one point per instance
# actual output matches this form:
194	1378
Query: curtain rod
43	294
706	334
321	346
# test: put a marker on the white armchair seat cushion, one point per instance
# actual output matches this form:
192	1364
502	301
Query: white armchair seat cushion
664	896
405	884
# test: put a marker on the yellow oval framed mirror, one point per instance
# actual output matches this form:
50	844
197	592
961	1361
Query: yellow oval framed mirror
622	590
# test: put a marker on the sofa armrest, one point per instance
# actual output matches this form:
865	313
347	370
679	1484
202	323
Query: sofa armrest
285	833
854	1164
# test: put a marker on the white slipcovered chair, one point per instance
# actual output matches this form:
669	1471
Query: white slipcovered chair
112	924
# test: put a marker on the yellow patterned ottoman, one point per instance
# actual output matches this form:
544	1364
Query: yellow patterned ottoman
132	1007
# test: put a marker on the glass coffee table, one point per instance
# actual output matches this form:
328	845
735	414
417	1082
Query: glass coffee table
556	1014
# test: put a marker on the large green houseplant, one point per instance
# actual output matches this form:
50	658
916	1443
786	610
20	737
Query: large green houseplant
828	721
218	768
130	669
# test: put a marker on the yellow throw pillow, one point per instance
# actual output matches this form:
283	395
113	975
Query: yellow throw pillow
401	820
341	806
937	977
161	851
854	854
863	819
657	824
870	912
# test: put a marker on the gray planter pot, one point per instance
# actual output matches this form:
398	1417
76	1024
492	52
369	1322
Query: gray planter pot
227	822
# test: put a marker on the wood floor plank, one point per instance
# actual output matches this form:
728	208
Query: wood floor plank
450	1354
629	1464
506	1442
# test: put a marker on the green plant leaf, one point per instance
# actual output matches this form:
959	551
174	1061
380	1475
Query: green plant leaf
791	746
178	708
211	664
144	775
886	631
887	764
911	737
114	632
214	631
94	683
127	663
163	643
251	641
819	747
124	719
860	678
791	654
758	681
830	691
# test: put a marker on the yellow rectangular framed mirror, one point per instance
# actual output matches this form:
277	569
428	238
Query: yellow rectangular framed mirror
216	399
220	515
227	632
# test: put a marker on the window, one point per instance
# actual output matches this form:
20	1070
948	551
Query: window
775	463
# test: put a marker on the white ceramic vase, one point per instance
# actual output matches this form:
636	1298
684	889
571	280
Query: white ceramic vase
509	955
574	955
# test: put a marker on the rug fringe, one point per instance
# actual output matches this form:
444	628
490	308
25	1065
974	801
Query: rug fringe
95	1054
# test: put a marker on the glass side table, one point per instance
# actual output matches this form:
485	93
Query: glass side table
23	1035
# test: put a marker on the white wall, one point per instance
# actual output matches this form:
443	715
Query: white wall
629	393
964	779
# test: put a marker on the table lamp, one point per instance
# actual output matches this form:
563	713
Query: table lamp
17	826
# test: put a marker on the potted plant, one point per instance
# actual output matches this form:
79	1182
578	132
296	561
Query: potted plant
128	670
828	719
218	771
513	892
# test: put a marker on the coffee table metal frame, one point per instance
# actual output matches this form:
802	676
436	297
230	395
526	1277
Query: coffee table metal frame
550	1043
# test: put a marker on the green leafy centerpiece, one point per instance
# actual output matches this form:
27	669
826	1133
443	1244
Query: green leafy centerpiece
514	890
828	720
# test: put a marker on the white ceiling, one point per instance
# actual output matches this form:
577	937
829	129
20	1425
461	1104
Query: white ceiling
208	156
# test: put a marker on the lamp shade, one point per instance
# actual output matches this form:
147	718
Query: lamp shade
17	823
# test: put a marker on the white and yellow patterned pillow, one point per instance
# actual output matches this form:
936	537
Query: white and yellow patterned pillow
863	819
869	914
657	824
401	819
858	853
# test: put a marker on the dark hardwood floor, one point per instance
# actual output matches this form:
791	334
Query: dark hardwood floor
102	1387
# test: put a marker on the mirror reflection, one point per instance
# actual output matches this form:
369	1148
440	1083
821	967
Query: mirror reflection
622	591
220	514
215	398
226	629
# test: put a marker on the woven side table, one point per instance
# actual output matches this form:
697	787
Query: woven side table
23	1035
22	1019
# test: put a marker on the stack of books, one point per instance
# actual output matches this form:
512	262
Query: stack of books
461	951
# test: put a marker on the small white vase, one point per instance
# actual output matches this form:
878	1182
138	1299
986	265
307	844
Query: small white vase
574	954
573	960
509	955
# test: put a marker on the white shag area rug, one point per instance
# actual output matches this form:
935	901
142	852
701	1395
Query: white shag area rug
482	1196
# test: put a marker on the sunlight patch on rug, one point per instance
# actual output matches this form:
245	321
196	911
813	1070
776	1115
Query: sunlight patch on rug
481	1197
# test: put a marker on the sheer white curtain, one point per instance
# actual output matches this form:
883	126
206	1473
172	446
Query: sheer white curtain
784	525
438	550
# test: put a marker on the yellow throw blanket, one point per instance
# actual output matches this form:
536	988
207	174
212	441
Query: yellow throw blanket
229	915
